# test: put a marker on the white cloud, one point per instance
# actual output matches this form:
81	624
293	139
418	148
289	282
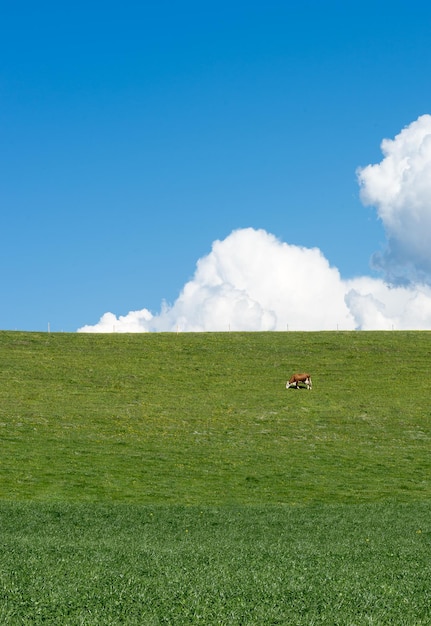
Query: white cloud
133	322
249	281
375	305
252	281
400	189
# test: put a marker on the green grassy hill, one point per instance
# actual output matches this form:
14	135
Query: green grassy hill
172	479
206	419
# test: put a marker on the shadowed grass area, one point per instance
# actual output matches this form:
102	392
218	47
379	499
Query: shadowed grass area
114	564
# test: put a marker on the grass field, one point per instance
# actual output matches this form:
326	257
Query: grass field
172	479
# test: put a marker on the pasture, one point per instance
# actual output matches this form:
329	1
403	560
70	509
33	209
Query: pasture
172	479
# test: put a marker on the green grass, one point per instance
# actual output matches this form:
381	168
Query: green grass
206	419
172	479
129	564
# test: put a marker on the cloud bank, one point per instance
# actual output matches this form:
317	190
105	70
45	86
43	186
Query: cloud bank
251	281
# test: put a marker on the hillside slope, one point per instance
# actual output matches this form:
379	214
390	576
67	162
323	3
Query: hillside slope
205	418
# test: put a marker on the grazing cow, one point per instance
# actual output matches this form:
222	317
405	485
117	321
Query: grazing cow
299	378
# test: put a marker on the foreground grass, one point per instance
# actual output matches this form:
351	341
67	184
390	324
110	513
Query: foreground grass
131	564
206	419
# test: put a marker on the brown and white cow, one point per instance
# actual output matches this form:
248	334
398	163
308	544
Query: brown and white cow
299	378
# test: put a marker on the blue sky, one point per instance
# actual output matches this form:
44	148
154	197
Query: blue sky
133	136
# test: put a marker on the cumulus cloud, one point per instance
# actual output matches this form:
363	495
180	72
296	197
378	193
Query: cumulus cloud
399	187
376	305
252	281
249	281
133	322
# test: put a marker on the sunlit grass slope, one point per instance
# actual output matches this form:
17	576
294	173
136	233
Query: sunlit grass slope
205	418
